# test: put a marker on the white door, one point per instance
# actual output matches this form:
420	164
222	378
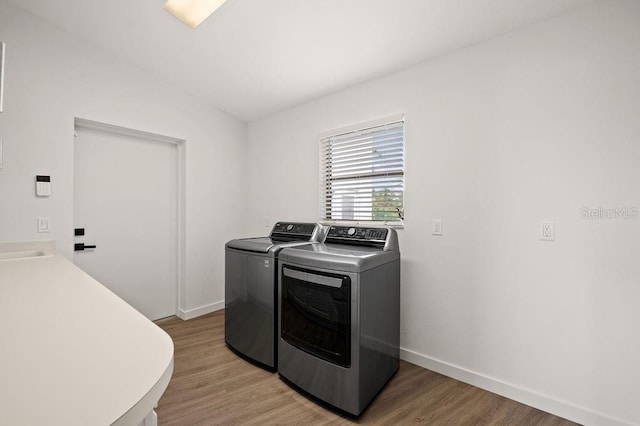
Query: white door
125	198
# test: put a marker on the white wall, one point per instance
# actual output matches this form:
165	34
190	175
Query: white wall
52	78
531	126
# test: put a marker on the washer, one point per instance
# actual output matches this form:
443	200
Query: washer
339	316
251	289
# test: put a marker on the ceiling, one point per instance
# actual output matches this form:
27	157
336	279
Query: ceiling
256	57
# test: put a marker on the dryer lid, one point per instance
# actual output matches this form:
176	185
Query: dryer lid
338	257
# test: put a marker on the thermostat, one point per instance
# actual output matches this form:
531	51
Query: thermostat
43	186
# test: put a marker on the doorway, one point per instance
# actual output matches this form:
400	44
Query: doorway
128	202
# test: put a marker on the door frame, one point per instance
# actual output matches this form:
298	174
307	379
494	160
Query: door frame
82	123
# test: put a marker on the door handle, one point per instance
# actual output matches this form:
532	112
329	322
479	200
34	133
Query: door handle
82	246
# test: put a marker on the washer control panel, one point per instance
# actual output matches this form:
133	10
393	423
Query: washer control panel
294	228
289	231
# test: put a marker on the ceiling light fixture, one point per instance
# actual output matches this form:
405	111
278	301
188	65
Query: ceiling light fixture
192	12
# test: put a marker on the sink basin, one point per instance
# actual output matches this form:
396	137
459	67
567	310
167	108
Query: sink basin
13	255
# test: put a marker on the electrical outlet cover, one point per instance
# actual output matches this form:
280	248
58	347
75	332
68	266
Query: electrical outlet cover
436	227
547	231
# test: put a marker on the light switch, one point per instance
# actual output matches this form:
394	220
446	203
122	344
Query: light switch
44	224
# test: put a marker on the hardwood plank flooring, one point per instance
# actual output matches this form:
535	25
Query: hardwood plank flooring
213	386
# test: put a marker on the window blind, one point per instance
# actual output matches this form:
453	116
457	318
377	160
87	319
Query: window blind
362	174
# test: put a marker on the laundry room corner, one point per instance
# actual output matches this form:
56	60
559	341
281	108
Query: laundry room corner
52	77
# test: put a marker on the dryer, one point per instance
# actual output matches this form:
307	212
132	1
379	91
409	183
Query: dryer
339	316
251	289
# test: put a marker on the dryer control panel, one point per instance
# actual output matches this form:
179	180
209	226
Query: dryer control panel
356	235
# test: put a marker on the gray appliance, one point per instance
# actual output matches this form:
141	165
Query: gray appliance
339	315
251	289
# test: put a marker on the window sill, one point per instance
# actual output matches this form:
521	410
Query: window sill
394	224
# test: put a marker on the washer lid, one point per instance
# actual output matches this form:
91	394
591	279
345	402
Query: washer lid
258	245
262	244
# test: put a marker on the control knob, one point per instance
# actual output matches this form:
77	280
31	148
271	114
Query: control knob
351	232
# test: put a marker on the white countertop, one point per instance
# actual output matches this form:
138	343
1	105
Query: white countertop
71	351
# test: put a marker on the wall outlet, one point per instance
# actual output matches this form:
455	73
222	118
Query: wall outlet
547	231
436	227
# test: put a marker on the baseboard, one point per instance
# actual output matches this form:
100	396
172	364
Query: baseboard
546	403
202	310
534	399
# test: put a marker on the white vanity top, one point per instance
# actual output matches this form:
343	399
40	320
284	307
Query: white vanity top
71	351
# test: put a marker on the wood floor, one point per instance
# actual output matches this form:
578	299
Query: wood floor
213	386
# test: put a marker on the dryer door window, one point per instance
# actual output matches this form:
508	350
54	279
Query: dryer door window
316	313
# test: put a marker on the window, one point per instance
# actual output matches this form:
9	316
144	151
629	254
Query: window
362	172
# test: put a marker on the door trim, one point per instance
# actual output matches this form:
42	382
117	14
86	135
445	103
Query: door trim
82	123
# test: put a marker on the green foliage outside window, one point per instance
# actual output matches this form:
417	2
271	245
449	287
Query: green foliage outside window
387	205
